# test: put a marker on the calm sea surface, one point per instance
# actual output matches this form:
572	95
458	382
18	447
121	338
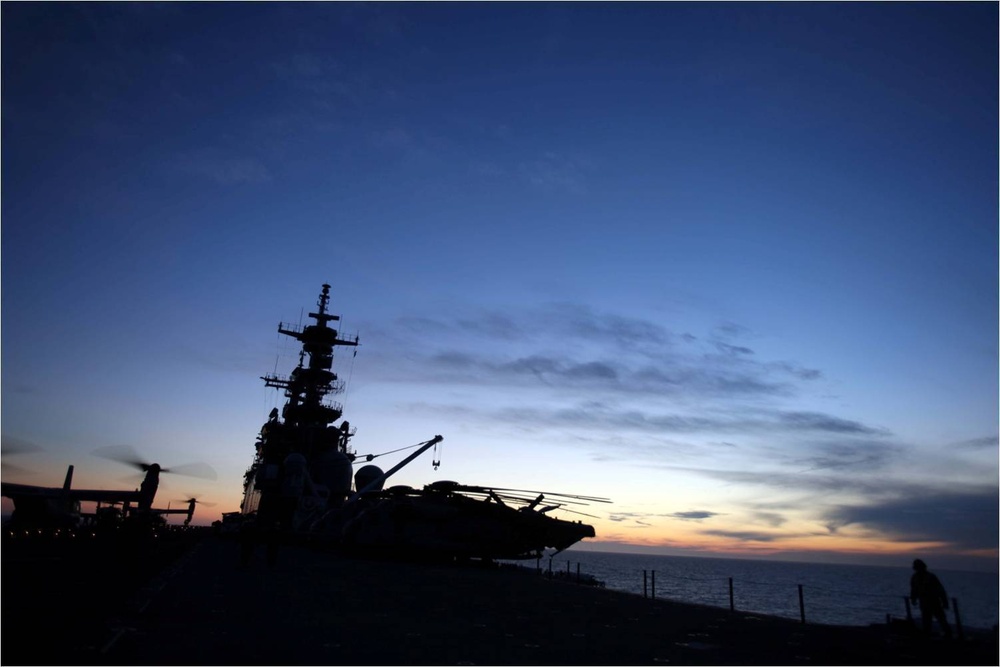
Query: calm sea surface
832	594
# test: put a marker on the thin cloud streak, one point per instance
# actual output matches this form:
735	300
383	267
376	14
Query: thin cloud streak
696	515
553	171
591	417
223	169
600	351
985	443
773	477
748	535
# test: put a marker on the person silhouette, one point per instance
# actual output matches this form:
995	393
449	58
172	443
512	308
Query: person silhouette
927	591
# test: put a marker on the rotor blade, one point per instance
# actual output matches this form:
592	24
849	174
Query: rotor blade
510	497
16	447
12	446
200	470
122	454
13	469
133	479
592	516
595	499
196	502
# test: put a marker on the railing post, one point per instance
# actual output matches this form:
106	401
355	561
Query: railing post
732	606
644	593
550	567
802	605
652	583
958	618
577	573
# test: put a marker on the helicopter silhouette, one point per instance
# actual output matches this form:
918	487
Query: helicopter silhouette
47	508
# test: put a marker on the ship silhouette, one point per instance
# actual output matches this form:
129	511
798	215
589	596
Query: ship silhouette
301	486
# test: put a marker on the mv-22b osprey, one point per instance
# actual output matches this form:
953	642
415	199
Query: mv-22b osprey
47	508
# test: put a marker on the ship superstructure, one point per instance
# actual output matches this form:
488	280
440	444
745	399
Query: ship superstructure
305	426
301	483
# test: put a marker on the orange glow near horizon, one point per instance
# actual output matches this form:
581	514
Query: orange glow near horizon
846	542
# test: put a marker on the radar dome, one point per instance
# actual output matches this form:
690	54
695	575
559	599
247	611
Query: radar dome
365	476
333	470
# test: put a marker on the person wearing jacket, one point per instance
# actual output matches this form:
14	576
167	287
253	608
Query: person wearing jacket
927	591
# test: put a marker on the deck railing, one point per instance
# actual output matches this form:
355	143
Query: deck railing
825	605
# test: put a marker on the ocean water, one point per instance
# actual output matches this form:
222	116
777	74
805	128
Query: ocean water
831	594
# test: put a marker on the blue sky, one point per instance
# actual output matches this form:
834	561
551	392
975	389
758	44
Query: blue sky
733	266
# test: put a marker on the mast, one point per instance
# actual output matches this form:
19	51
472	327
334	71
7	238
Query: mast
310	382
305	424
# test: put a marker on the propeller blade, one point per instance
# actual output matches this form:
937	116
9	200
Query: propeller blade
12	446
127	455
592	516
200	470
196	502
133	479
122	454
16	447
14	469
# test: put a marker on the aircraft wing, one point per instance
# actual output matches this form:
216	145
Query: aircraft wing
104	496
10	490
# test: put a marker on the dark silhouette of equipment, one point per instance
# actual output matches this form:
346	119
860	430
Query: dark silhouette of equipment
302	484
43	508
39	507
191	502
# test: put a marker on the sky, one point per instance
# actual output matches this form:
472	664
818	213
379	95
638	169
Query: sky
732	266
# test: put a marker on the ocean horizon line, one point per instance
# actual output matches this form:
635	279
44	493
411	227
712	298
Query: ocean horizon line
941	561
